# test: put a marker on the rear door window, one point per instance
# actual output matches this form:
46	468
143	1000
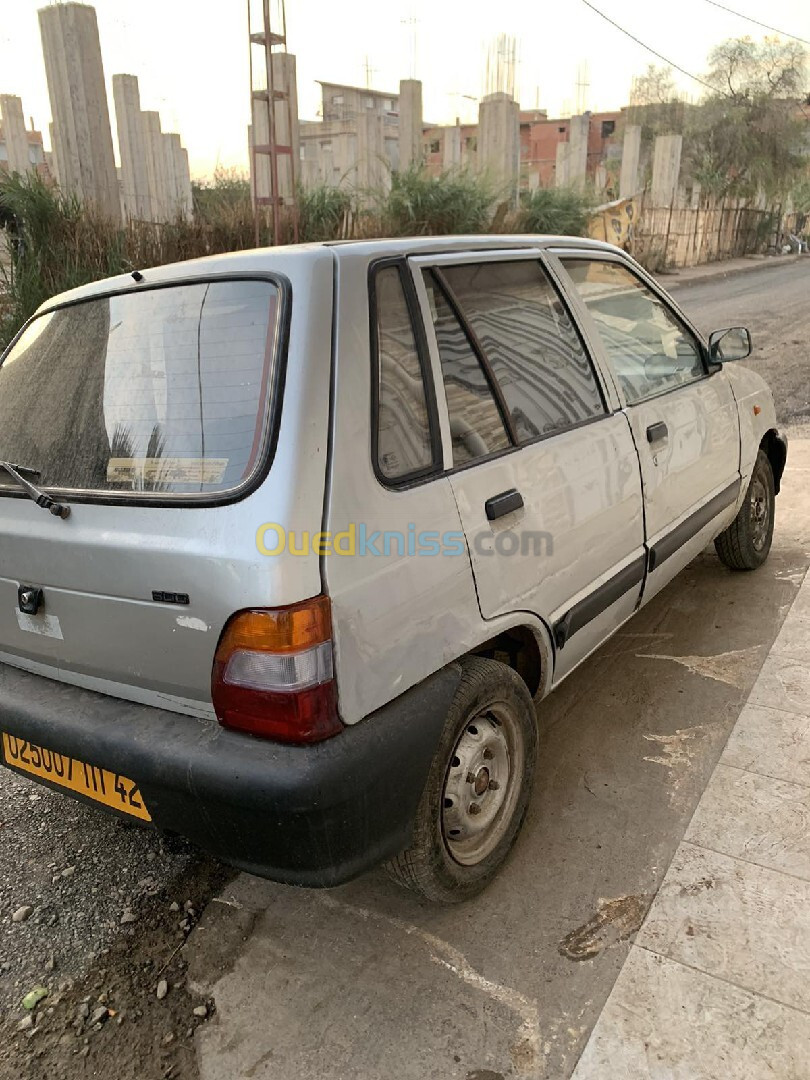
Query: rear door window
164	391
533	348
405	446
477	427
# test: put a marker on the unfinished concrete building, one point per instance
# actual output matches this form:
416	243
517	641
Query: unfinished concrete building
13	158
82	146
15	137
356	143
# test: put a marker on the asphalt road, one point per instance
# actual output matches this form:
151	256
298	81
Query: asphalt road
366	981
774	303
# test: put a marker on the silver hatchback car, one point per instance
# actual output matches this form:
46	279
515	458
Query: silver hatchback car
292	541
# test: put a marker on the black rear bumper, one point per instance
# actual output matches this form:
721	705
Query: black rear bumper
315	815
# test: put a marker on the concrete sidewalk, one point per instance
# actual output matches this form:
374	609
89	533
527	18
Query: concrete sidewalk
694	275
717	983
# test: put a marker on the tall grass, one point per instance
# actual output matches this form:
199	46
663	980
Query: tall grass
54	243
557	211
418	204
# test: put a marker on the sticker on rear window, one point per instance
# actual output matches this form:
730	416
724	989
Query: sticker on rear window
156	471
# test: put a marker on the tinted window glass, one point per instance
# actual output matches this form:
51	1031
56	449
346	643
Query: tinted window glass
535	353
648	347
476	426
163	390
403	429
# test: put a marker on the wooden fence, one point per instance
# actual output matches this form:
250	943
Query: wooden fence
679	236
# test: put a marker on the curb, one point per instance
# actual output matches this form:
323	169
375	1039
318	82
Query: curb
673	281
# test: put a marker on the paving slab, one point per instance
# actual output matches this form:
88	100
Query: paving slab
666	1021
771	742
756	818
734	920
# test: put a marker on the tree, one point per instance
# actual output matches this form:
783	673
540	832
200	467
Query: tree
655	104
655	87
749	134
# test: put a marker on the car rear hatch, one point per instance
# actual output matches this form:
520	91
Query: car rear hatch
155	413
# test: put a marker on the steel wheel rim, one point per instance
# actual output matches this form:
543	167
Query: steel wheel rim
484	773
760	513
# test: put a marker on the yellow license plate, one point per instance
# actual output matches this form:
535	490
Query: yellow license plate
102	786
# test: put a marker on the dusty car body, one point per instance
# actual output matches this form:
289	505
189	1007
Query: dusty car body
316	525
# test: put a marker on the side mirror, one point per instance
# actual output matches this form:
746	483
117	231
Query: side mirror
728	345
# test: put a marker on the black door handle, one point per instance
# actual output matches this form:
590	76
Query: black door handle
505	503
656	432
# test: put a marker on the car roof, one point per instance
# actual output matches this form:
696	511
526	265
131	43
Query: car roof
292	259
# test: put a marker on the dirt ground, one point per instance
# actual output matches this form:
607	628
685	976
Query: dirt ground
774	303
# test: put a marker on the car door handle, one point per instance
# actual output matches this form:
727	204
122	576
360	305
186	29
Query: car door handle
657	432
505	503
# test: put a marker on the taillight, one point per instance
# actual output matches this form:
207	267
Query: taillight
273	673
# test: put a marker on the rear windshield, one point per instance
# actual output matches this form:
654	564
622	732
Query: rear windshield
163	390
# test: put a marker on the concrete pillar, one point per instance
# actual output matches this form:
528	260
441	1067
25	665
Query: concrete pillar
562	174
666	169
600	180
410	122
178	178
372	175
182	173
631	156
171	145
287	132
54	153
259	132
78	95
451	151
132	146
578	131
155	167
499	142
14	134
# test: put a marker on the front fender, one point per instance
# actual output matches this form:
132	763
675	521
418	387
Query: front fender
757	416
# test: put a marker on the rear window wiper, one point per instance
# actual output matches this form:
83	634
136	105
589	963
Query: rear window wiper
39	497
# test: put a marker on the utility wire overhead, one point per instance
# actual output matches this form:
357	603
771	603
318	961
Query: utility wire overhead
644	45
756	22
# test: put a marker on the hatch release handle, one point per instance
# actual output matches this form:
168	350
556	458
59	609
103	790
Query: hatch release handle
29	598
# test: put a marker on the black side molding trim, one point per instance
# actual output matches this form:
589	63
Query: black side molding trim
505	503
599	600
674	540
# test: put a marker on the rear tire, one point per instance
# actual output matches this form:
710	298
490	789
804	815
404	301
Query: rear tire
746	543
478	787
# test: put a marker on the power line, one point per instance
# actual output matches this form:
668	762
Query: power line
756	22
638	41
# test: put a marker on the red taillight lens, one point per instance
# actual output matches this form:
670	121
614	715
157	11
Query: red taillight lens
273	673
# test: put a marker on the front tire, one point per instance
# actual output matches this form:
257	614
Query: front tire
746	543
478	787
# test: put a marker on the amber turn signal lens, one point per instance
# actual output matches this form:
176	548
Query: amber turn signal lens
280	630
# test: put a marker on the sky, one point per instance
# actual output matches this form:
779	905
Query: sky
191	56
